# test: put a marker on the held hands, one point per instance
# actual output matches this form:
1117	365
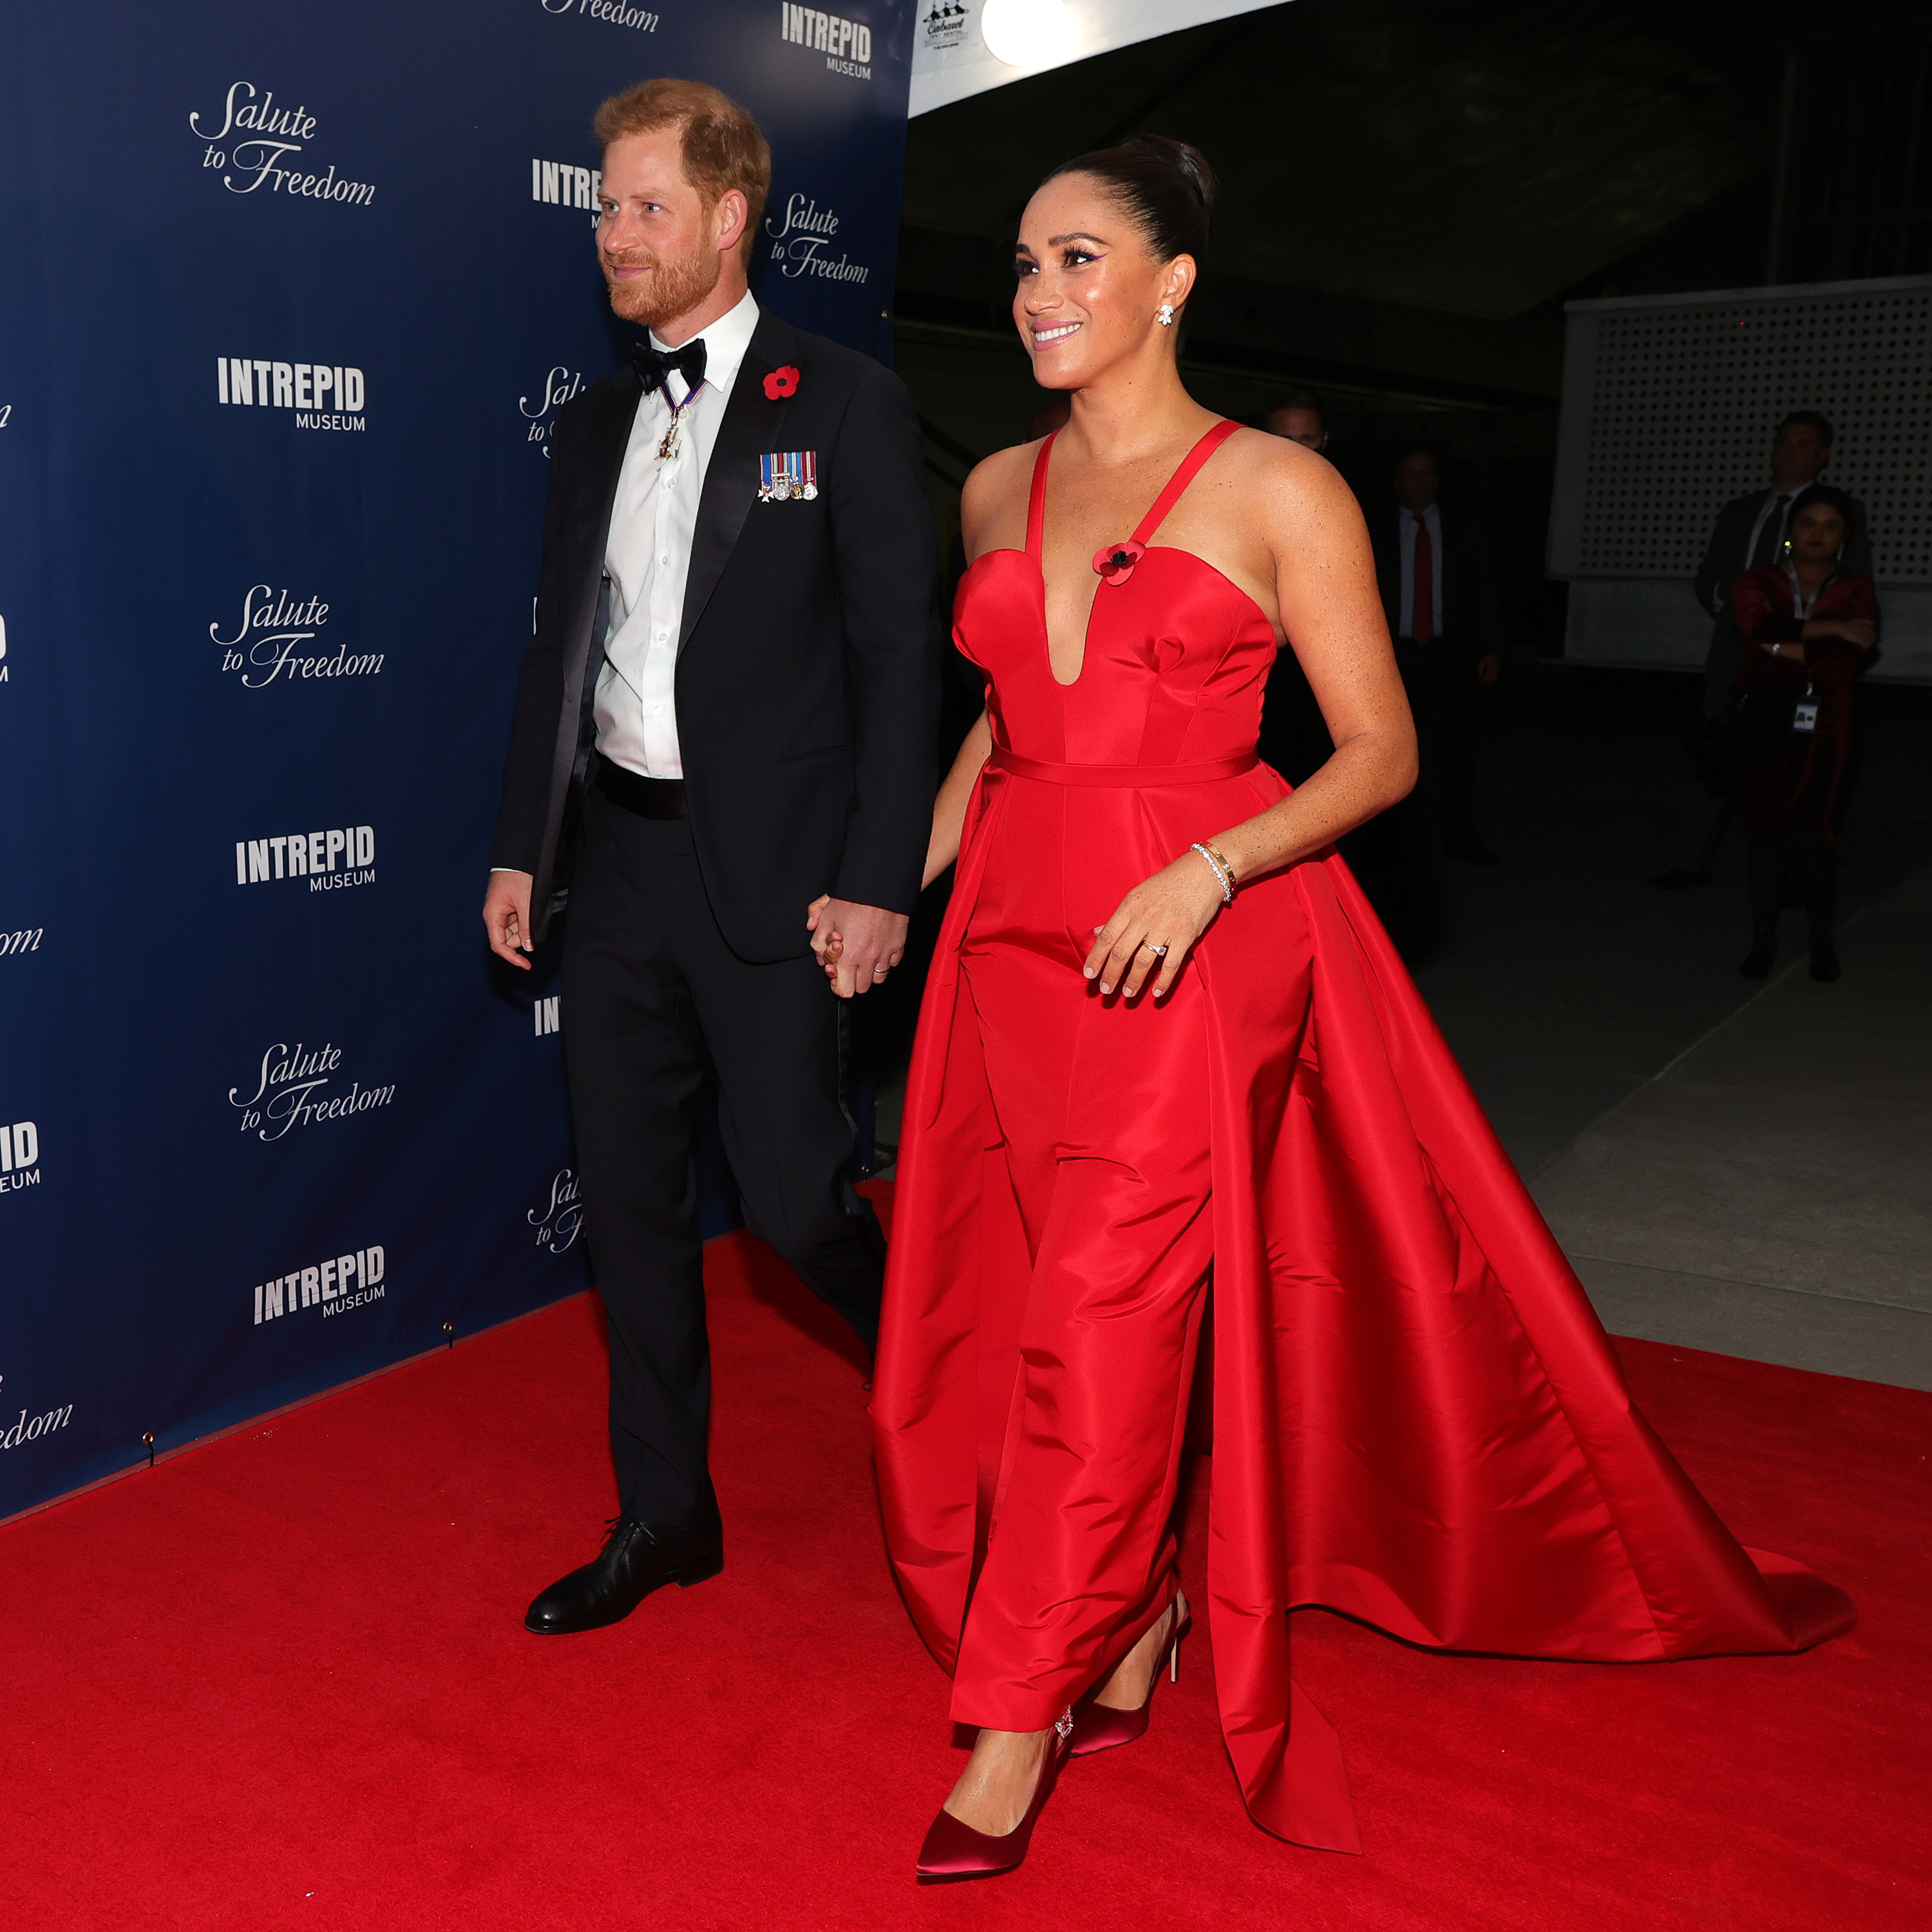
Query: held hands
1171	911
506	916
857	945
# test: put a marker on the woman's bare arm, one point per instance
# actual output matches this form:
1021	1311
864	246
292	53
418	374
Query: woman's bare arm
1324	584
949	808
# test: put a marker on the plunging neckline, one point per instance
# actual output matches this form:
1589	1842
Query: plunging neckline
1184	473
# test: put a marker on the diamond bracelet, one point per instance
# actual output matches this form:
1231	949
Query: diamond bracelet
1224	873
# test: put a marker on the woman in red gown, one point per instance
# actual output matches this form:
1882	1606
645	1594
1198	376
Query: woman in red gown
1164	1034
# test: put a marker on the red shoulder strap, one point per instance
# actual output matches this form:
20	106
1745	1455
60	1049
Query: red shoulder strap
1190	468
1036	500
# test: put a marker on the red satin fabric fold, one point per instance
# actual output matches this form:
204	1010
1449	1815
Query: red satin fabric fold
1418	1419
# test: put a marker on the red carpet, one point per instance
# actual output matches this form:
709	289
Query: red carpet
280	1681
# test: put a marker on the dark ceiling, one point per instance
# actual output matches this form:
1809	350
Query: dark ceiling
1474	156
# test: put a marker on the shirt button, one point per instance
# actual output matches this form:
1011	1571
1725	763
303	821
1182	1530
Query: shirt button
657	710
665	561
663	636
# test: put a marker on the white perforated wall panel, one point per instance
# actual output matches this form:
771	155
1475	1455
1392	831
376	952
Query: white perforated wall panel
1670	404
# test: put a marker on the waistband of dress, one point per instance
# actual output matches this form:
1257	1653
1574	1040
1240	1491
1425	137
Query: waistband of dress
1138	777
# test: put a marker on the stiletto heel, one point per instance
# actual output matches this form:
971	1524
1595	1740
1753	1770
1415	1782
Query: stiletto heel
954	1850
1099	1727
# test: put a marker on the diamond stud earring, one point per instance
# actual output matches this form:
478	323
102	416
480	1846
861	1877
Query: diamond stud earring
1165	318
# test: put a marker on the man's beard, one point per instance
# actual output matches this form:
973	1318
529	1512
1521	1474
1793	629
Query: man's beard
674	286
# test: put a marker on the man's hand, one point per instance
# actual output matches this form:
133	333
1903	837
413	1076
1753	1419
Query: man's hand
1489	667
857	945
506	916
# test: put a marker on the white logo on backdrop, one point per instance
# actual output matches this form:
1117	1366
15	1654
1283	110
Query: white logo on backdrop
27	940
343	856
262	139
801	238
846	44
309	388
19	1157
539	412
31	1429
3	649
548	1013
615	12
292	1090
269	635
564	184
560	1222
335	1286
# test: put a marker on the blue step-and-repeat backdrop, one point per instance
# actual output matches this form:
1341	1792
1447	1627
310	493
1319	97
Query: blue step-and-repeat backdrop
289	298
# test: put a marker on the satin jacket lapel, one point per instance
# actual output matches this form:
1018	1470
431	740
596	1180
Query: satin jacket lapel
603	464
753	423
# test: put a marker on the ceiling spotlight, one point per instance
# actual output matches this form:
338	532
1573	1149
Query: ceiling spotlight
1028	33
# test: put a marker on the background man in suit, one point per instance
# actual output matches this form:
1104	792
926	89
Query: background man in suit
1297	416
1433	563
735	668
1749	530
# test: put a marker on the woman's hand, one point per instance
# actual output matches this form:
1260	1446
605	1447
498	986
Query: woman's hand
1170	911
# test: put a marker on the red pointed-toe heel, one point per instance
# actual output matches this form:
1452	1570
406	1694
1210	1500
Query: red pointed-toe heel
954	1850
1098	1727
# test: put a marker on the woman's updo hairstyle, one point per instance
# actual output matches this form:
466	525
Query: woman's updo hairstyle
1167	188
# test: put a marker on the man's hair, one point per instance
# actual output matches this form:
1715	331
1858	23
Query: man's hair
1296	399
1807	419
720	144
1409	449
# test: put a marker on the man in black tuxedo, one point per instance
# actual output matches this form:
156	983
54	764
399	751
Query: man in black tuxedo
1432	564
729	708
1750	531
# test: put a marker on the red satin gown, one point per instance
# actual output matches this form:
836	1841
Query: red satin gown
1417	1419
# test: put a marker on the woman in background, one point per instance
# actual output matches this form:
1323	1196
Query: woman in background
1809	629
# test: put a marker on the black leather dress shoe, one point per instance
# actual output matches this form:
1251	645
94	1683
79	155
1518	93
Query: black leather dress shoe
1677	878
639	1557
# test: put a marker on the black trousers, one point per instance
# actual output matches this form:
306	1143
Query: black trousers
1804	860
650	987
1440	678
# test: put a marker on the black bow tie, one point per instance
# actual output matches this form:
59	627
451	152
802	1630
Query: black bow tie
653	365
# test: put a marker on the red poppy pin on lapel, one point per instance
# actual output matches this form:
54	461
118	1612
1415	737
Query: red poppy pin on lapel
780	382
1115	561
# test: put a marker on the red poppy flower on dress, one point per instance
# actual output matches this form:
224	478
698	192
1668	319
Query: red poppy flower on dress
1115	561
782	382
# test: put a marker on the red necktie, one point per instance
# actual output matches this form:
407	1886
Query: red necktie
1422	605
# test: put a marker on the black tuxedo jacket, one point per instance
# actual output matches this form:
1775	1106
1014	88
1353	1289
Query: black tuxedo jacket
808	680
1470	617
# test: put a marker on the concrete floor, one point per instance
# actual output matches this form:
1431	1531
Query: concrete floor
1768	1194
1734	1166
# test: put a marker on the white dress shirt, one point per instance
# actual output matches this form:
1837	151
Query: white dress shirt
647	555
1432	520
1775	504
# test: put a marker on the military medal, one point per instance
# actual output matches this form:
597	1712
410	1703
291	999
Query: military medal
786	473
672	440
